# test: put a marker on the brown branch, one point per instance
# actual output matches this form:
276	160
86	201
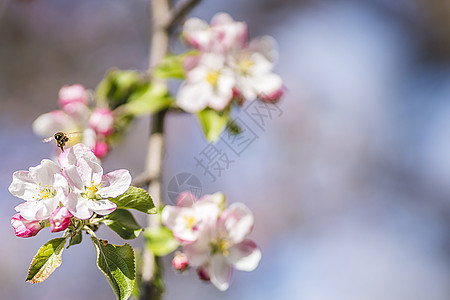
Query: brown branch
163	22
179	12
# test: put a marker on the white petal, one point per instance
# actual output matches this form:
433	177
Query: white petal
244	256
102	207
45	172
115	183
267	46
169	215
48	124
197	253
197	33
23	186
261	64
78	206
193	97
220	272
236	222
89	171
267	84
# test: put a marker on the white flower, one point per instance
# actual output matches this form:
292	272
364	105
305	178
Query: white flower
231	249
89	187
42	187
224	34
189	223
210	83
253	67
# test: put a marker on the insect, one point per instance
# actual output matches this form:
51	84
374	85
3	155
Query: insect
61	138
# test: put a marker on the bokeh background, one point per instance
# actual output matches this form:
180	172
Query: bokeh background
350	186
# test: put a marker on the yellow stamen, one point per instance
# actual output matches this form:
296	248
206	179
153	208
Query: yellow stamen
190	221
212	77
245	64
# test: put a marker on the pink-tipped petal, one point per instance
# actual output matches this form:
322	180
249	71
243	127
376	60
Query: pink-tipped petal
236	222
25	228
60	219
186	199
244	256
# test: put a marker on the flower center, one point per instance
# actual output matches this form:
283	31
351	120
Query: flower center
245	64
46	192
212	77
190	221
91	191
221	245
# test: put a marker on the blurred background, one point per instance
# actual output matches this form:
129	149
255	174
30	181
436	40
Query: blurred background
349	183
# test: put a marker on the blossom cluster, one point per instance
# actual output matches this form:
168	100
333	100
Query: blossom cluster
213	237
228	66
75	115
54	193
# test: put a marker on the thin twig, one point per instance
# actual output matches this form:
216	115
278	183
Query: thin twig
178	13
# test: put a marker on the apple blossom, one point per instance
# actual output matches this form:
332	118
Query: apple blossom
253	68
102	121
222	35
210	83
89	187
42	187
189	223
218	244
25	228
60	219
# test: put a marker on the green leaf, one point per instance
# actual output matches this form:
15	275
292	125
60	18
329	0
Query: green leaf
76	239
46	260
150	99
160	241
117	264
135	198
172	66
117	86
123	223
213	122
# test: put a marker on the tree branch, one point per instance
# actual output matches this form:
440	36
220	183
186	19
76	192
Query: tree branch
163	22
179	12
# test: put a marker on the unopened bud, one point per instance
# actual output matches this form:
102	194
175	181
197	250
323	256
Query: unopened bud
180	262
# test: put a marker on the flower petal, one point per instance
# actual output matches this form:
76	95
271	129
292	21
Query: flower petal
197	253
102	207
220	272
193	97
78	206
244	256
115	183
23	186
236	222
267	46
45	172
48	124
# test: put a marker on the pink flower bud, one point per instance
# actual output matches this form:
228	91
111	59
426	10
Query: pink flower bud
180	262
203	274
101	149
70	94
60	219
273	96
25	228
102	121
